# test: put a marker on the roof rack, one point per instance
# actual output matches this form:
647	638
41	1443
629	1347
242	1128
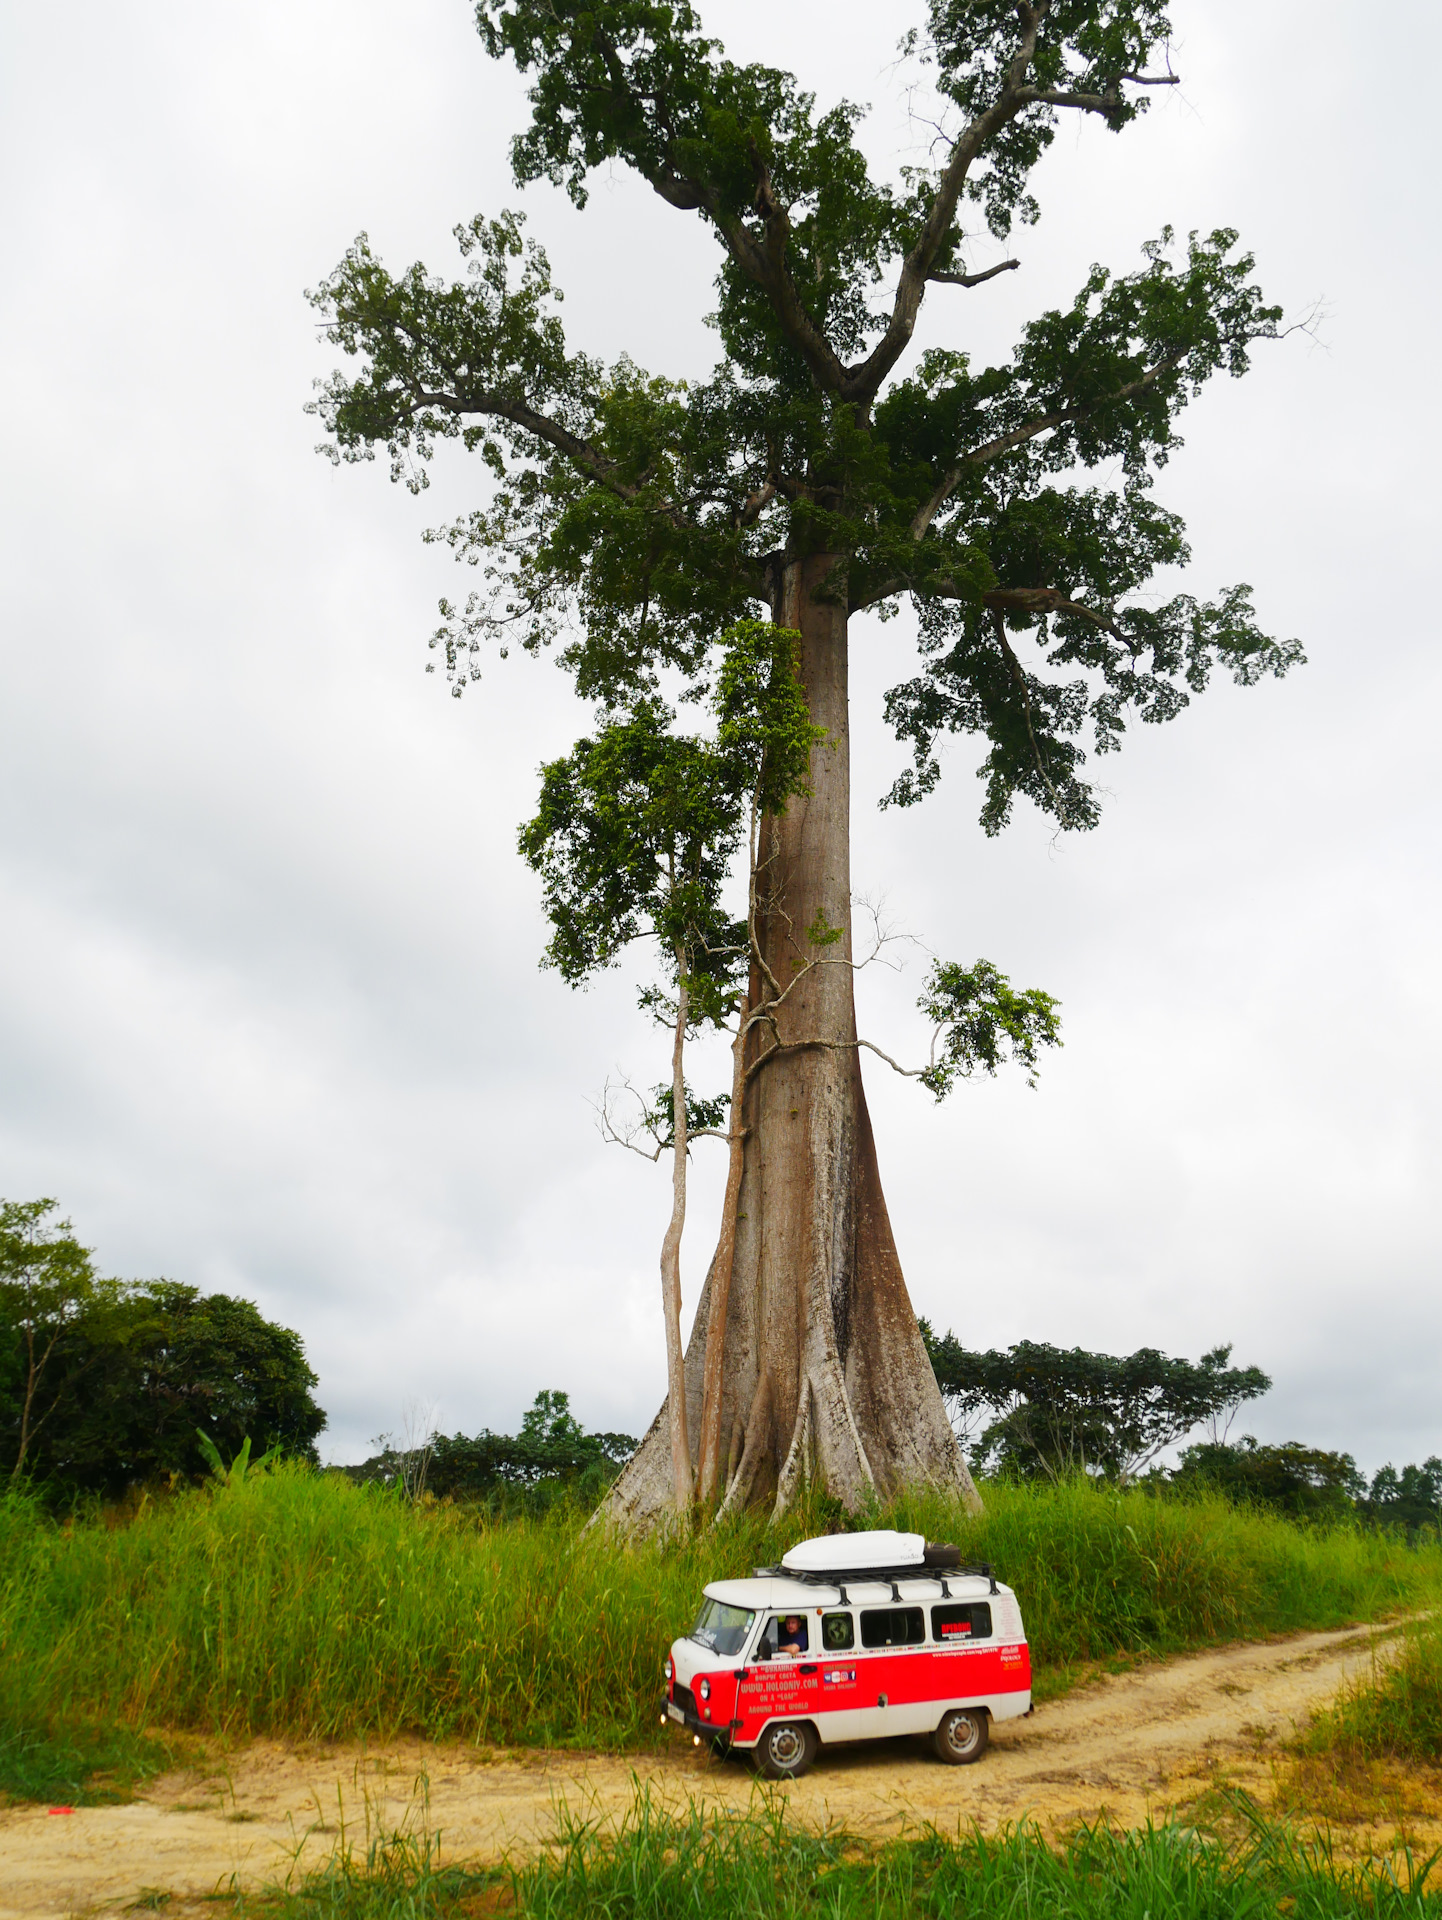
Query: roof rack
886	1576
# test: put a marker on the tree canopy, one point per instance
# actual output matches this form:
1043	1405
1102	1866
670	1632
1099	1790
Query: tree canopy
135	1371
635	516
1311	1483
1057	1411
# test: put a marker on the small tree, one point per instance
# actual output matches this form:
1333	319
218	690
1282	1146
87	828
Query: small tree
635	837
1059	1411
47	1282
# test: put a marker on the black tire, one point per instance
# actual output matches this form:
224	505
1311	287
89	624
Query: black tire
786	1749
962	1736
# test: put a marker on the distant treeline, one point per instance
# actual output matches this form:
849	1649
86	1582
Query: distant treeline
551	1454
1040	1412
106	1385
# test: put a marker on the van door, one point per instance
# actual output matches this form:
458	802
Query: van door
894	1669
782	1679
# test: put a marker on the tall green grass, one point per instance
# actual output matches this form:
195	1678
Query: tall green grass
1395	1712
300	1604
754	1866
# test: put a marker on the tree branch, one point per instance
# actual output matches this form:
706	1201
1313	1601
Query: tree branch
581	453
863	382
1018	436
972	279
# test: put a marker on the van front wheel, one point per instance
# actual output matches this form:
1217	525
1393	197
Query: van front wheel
786	1750
961	1737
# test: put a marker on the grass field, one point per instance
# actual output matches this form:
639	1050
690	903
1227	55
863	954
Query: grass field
300	1604
754	1866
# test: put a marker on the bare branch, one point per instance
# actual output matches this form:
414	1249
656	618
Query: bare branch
623	1135
833	1046
755	503
973	279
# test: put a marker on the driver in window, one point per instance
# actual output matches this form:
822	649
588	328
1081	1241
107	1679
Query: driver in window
791	1637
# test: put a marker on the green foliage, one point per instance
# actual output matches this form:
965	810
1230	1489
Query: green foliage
1395	1711
301	1604
703	1111
981	1020
638	826
635	517
755	1864
551	1456
129	1371
1065	1411
235	1474
1411	1499
1308	1482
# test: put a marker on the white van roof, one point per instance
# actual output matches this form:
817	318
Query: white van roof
775	1591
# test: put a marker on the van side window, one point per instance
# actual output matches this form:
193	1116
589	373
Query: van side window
892	1627
838	1633
953	1624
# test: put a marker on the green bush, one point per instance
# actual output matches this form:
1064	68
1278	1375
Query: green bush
299	1603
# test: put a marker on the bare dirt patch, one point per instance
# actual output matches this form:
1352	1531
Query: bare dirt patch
1123	1747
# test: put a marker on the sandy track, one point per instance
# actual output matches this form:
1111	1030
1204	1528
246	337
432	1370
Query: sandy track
1129	1744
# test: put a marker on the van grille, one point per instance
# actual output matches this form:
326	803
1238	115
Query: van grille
684	1698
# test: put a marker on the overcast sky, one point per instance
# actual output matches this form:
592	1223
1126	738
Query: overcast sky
270	1015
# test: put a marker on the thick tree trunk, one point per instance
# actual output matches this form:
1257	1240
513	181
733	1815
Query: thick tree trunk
823	1372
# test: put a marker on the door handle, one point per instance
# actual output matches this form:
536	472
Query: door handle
807	1669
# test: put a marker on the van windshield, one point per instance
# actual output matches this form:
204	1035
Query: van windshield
721	1628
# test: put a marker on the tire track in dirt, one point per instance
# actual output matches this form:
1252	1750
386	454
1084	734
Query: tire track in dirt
1124	1746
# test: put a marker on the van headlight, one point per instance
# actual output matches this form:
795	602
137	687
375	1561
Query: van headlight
704	1689
668	1669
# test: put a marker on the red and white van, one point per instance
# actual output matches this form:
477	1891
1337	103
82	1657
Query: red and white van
853	1637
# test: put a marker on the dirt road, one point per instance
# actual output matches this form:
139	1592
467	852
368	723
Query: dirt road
1125	1745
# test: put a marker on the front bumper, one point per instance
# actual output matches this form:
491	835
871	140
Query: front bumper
675	1713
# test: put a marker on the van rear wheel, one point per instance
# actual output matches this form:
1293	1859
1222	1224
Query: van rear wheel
786	1750
962	1735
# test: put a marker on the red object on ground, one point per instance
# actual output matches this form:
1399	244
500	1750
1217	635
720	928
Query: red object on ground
62	1809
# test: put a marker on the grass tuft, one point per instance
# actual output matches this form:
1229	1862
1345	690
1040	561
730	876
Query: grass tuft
1395	1711
75	1765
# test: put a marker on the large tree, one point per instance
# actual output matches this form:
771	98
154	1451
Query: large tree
821	472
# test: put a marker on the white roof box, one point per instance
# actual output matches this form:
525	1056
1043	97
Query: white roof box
855	1552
